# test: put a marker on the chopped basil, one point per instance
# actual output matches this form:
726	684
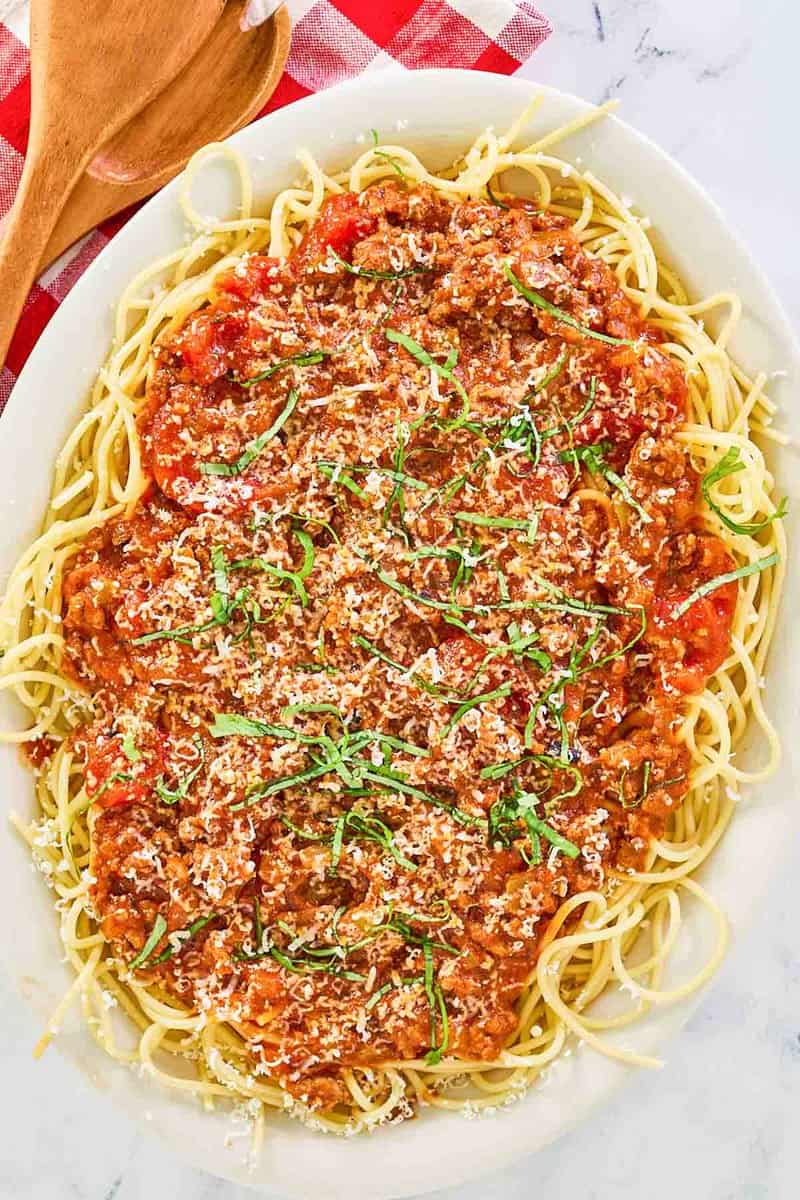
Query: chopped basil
262	790
308	359
467	558
705	589
494	199
365	274
365	736
398	497
550	377
529	527
521	646
445	493
393	163
563	604
500	769
376	653
224	607
340	756
505	814
520	431
553	698
337	475
355	826
183	634
173	795
536	825
443	370
730	464
329	469
499	693
337	843
419	681
117	777
437	1005
390	782
594	458
254	448
299	965
291	710
641	795
370	828
129	748
232	724
538	301
294	578
184	935
156	934
376	997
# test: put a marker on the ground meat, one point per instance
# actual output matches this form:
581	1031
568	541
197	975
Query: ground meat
390	657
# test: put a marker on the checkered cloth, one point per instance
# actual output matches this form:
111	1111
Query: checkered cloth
332	40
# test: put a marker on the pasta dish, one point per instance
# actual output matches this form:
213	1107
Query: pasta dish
404	592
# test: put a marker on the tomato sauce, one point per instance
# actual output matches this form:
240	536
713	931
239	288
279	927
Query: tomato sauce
391	656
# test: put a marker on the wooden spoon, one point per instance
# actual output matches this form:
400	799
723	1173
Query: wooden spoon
94	65
225	85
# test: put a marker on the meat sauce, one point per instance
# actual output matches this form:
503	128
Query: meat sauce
376	692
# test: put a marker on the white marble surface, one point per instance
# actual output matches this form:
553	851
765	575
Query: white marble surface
715	82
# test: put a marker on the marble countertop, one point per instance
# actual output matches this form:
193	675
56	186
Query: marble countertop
709	81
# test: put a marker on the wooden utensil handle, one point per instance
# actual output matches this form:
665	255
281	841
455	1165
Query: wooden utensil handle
47	180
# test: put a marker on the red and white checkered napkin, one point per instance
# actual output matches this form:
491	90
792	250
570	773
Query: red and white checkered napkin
332	41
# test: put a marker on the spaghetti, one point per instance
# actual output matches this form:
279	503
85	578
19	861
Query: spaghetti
524	746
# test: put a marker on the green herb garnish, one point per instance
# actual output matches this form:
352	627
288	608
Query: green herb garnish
337	475
129	748
294	578
254	448
393	163
505	814
156	934
418	680
538	301
389	781
117	777
232	724
466	557
397	476
442	370
641	796
731	464
437	1005
308	359
494	199
366	274
563	604
499	770
225	607
356	826
499	693
184	935
594	458
705	589
173	795
528	527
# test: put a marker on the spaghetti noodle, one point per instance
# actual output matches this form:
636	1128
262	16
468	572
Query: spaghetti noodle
455	1010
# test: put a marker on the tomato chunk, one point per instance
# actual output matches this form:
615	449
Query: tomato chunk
341	223
208	344
703	630
113	781
251	279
